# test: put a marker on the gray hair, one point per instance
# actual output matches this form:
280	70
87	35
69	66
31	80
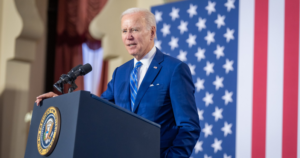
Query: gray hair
149	17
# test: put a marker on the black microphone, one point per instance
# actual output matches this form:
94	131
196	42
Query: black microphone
73	74
75	68
79	70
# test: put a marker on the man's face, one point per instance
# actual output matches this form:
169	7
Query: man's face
137	39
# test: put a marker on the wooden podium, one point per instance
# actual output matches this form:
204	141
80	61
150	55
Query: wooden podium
91	127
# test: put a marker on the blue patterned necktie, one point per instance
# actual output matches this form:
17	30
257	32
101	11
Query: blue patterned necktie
134	83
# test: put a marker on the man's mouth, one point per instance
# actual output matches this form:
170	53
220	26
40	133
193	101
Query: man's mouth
130	45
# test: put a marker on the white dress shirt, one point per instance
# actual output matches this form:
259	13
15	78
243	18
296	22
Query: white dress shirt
146	61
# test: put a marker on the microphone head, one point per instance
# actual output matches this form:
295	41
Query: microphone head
85	69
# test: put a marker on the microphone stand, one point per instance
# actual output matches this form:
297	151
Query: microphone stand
73	87
60	85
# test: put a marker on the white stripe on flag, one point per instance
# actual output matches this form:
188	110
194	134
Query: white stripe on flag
245	79
275	79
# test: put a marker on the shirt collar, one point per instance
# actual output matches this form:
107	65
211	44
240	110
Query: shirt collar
146	60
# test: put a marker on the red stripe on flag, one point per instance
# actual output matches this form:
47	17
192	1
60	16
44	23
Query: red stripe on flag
290	83
260	79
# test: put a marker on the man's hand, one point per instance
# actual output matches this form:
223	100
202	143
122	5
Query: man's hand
44	96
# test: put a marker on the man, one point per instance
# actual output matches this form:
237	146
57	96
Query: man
154	85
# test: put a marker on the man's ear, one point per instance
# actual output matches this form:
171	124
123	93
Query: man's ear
153	32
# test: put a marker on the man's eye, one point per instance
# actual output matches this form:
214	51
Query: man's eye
134	29
124	31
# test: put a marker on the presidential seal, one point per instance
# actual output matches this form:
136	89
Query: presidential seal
48	131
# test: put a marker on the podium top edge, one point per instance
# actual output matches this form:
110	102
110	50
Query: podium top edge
124	110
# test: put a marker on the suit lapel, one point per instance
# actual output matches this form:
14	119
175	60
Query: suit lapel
127	86
151	74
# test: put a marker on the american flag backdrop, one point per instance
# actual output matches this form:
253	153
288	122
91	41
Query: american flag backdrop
244	59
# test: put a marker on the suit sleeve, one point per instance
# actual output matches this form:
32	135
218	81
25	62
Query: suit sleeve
185	112
109	93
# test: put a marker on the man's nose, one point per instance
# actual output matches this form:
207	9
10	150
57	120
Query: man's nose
129	35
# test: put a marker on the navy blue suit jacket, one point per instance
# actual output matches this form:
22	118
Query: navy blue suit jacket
169	102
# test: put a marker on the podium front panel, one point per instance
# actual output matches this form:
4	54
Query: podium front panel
93	127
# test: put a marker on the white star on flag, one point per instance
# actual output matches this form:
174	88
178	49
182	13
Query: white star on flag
200	114
210	7
230	5
200	54
192	10
210	37
173	43
217	145
219	51
201	24
229	35
191	40
174	14
158	17
218	82
206	156
209	68
198	146
226	129
207	130
192	68
166	29
208	98
220	21
158	44
182	55
183	27
199	84
218	113
227	97
225	156
228	66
